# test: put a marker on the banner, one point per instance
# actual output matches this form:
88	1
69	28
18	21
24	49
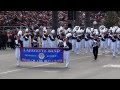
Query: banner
42	55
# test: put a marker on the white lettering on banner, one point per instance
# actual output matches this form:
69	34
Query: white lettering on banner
30	55
41	50
52	51
51	56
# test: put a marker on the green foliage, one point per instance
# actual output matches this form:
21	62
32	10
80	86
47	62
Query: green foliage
111	19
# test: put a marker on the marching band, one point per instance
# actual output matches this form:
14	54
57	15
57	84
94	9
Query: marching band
78	40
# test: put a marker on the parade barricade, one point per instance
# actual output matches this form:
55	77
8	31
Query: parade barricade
42	55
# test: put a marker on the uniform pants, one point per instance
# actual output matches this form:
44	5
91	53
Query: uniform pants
52	44
106	43
74	45
78	47
103	46
87	46
113	48
45	44
82	44
66	57
17	54
109	43
95	52
118	47
91	42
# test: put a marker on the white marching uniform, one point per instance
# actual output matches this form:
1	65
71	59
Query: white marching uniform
109	41
52	41
67	48
36	42
26	41
91	43
82	43
113	46
74	43
17	51
45	41
78	45
87	44
118	45
103	44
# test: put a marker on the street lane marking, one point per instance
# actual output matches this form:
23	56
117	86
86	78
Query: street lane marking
43	65
36	66
51	71
23	69
112	65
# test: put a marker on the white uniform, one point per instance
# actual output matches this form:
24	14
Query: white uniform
113	46
26	43
74	43
103	44
109	41
91	43
45	42
52	42
17	51
67	48
78	45
82	43
118	45
87	44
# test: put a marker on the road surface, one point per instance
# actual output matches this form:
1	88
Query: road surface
81	67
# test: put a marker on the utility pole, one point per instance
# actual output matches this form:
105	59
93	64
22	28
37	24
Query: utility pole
55	20
87	19
77	19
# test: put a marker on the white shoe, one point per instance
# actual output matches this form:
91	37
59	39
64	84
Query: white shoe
113	55
77	53
66	65
18	64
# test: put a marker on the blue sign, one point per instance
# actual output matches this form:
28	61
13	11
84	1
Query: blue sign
42	55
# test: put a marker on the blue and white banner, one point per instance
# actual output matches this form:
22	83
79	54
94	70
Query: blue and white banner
42	55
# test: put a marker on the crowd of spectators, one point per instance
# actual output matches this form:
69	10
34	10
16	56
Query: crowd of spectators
37	18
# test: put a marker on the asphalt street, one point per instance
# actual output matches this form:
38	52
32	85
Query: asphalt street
81	66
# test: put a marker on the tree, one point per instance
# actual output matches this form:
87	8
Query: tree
111	19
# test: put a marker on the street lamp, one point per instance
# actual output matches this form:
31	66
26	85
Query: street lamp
94	23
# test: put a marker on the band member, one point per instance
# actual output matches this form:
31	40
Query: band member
74	37
118	41
103	43
95	47
91	41
113	44
27	39
109	38
35	42
82	38
78	42
18	45
45	38
52	39
87	43
67	47
69	32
